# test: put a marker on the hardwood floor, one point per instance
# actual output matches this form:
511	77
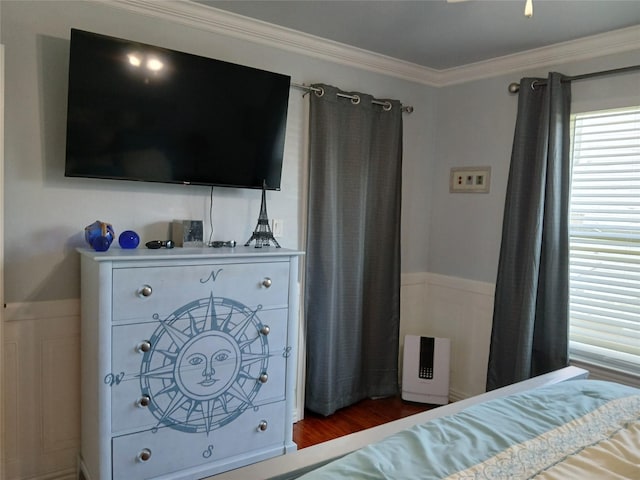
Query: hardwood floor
315	428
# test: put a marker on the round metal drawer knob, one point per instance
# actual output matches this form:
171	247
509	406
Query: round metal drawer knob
146	291
267	282
144	455
144	346
263	378
144	401
262	426
265	330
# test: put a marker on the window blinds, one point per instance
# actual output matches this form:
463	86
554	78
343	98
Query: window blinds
604	252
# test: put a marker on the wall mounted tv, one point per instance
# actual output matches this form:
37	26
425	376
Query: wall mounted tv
139	112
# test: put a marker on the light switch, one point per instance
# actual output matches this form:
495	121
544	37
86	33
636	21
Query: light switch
277	226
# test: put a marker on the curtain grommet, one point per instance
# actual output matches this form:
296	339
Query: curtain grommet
319	91
387	106
355	100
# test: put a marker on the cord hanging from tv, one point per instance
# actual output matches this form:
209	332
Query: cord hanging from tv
263	234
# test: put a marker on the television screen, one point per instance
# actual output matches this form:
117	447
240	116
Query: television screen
139	112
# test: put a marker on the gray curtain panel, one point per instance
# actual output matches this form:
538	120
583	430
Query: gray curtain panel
530	317
352	284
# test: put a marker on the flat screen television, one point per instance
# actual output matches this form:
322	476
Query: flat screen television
139	112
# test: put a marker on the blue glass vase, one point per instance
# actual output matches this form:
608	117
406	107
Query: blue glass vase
99	235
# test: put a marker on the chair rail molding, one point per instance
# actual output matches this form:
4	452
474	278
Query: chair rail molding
20	311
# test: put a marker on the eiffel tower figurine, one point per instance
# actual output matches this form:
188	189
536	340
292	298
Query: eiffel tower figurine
263	234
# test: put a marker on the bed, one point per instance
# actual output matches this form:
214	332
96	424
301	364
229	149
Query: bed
543	428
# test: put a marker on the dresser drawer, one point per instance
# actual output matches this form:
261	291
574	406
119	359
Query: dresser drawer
149	293
193	366
170	450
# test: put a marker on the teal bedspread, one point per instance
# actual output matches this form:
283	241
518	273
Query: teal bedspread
526	435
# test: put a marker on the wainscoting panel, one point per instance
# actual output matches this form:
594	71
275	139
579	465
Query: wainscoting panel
412	309
60	357
456	308
42	390
42	366
10	366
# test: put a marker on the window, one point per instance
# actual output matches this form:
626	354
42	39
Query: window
604	252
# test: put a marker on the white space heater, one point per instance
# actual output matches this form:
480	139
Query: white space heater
425	369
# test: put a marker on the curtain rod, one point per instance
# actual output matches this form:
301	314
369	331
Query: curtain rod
515	87
355	99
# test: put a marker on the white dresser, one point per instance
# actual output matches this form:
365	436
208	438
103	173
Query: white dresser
188	360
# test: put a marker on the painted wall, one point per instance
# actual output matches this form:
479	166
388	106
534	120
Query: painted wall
475	127
46	212
450	241
476	121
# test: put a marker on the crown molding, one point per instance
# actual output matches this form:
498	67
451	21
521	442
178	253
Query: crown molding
237	26
617	41
226	23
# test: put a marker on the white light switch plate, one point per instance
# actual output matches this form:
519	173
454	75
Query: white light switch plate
277	226
470	180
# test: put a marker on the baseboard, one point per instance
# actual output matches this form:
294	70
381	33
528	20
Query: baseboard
457	395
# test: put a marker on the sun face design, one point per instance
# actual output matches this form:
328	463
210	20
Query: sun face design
205	364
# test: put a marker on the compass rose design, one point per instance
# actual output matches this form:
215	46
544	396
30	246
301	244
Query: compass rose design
204	365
